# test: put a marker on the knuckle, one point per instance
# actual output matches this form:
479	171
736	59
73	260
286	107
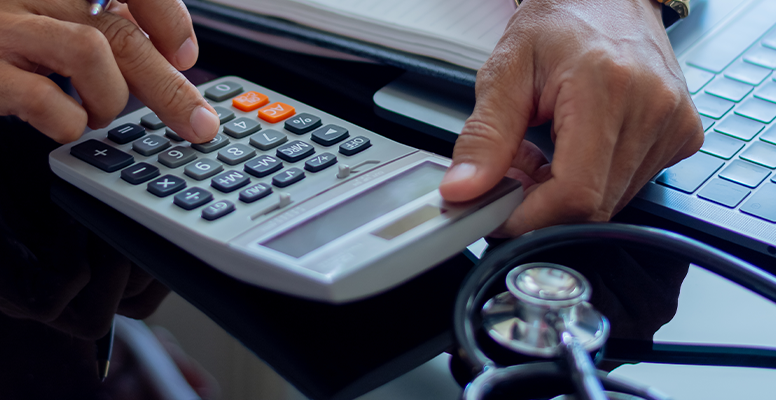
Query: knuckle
33	101
90	44
173	93
581	203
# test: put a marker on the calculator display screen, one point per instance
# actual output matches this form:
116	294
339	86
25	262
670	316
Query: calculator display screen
355	212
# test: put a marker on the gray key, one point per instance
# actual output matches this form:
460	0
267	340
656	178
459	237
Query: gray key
150	145
177	156
706	122
172	135
223	91
696	78
761	56
723	192
769	135
236	153
767	92
203	169
218	142
745	173
268	139
192	198
739	127
712	106
747	73
151	121
241	127
763	203
761	153
761	110
224	115
728	89
723	46
689	174
721	145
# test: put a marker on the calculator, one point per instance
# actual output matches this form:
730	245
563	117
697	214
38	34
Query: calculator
285	197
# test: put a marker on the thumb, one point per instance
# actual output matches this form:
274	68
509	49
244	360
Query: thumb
488	143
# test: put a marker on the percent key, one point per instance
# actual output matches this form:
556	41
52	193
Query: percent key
303	123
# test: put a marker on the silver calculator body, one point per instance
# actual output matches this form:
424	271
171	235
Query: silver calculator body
345	230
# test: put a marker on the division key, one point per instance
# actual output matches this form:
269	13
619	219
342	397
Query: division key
101	155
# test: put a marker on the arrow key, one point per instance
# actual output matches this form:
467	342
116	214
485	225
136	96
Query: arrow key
329	134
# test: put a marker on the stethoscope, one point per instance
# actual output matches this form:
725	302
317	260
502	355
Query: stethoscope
544	314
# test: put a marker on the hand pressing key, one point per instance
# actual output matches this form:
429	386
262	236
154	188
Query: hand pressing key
106	57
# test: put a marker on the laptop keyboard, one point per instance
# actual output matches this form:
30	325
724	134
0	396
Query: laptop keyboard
733	84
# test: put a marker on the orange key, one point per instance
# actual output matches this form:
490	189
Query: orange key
276	112
249	101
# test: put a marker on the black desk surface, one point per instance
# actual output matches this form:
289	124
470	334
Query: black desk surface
326	351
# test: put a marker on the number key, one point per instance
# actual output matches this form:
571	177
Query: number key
223	90
241	127
216	143
150	145
177	156
268	139
224	115
203	169
236	154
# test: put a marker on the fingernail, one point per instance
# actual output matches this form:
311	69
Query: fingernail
186	56
459	172
204	123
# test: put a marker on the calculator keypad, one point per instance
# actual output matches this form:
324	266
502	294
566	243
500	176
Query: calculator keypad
126	133
236	153
214	144
295	151
329	135
241	127
166	185
101	155
263	166
268	139
177	156
139	173
217	210
150	145
230	181
203	169
288	177
192	198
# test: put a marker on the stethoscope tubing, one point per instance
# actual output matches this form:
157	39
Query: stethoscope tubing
494	267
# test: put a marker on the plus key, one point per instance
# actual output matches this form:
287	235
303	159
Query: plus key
101	155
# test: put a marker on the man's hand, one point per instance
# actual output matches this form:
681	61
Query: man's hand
105	57
605	74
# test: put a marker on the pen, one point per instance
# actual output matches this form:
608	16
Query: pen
98	6
104	348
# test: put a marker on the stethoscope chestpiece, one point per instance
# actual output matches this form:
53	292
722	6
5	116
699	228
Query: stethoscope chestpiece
543	301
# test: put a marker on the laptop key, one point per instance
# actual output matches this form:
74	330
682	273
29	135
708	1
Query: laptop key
745	173
706	122
761	110
763	203
721	145
696	78
769	135
767	92
729	89
689	174
747	73
739	127
712	106
761	56
723	192
761	153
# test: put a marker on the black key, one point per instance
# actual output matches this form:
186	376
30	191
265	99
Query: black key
689	174
101	155
151	121
177	156
723	192
217	210
216	143
303	123
744	173
166	185
126	133
150	145
223	91
203	169
763	203
263	166
355	145
236	153
224	115
268	139
329	135
230	181
255	192
192	198
241	127
320	162
288	177
295	151
139	173
172	135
